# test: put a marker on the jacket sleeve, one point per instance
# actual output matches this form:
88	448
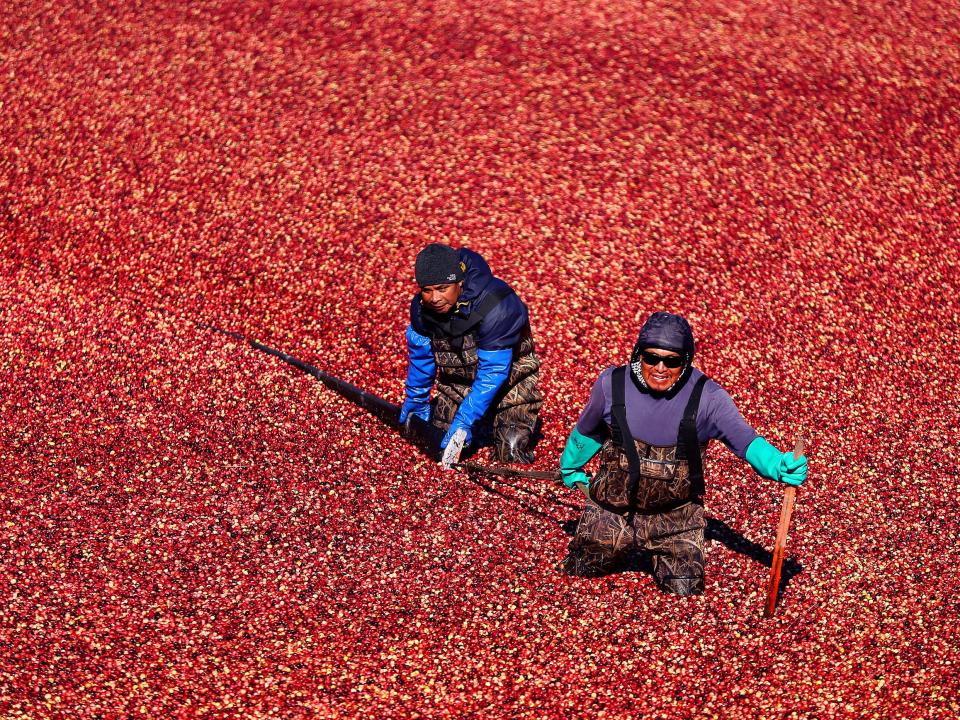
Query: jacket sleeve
596	413
421	368
492	373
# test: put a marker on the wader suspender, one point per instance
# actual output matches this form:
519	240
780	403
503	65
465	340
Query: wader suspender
622	436
688	445
456	326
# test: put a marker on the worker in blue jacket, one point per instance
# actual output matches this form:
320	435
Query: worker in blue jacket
470	332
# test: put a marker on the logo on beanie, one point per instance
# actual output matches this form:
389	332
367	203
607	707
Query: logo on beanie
437	264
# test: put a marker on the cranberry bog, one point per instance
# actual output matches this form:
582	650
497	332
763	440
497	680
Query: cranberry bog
192	528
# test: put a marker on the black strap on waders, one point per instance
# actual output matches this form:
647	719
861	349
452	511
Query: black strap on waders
688	444
622	436
456	326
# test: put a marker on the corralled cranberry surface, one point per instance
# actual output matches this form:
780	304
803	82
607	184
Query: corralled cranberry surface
192	528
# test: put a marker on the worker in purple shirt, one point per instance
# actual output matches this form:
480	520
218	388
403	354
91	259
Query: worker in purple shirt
651	421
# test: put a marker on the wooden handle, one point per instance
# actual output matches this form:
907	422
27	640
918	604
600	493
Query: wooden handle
789	498
798	449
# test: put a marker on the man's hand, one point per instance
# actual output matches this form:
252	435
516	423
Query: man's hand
793	471
451	453
578	450
421	369
574	477
416	404
776	465
454	428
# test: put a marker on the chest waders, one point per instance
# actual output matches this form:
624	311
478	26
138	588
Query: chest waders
637	477
646	497
512	415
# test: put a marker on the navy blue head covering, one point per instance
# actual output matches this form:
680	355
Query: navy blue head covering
665	331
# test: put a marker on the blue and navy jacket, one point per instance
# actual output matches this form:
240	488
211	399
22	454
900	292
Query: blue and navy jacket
500	329
488	310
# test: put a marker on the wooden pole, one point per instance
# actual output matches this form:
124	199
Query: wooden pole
789	498
510	472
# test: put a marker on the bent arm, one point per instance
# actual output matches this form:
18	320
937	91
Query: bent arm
421	369
492	372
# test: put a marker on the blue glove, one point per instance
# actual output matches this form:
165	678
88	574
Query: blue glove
492	373
578	451
776	465
421	369
417	402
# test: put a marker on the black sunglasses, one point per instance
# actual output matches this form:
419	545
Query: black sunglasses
652	359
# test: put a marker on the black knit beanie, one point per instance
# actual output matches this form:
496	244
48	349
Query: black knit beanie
437	265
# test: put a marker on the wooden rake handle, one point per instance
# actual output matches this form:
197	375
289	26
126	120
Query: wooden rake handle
789	498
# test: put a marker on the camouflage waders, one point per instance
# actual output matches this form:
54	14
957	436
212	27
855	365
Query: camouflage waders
645	497
604	540
513	413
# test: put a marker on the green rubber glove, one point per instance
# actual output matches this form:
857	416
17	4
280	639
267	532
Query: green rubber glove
578	451
776	465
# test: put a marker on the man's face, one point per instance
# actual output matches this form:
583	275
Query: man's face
656	374
441	298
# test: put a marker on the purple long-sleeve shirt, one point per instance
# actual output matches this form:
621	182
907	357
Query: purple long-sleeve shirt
656	420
